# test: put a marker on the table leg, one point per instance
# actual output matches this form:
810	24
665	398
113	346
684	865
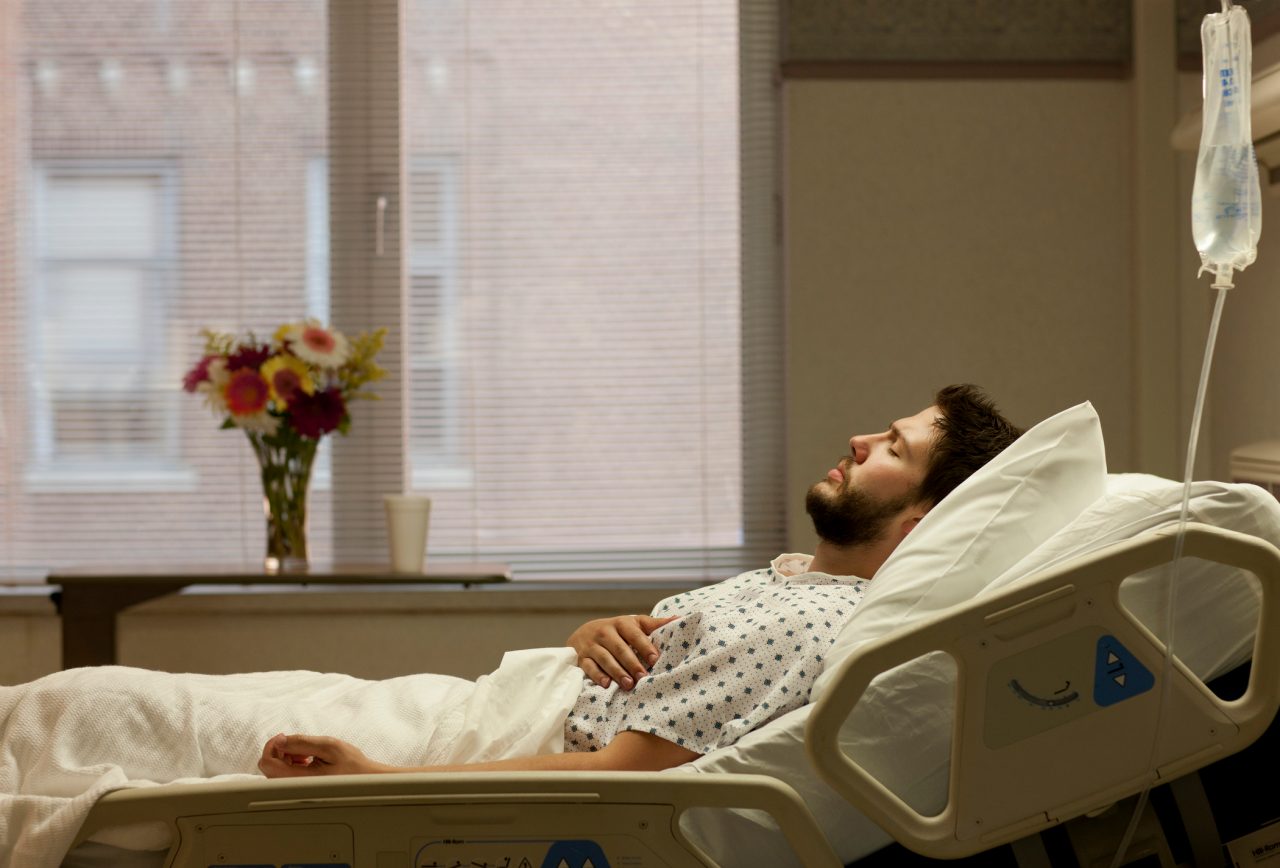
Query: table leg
88	615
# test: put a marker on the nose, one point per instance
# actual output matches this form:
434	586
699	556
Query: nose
860	445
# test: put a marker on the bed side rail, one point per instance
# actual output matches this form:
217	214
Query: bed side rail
1057	698
482	818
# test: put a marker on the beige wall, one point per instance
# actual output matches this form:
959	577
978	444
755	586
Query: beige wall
1244	391
370	634
949	231
1245	385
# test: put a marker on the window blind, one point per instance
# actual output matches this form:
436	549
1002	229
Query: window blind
593	309
584	346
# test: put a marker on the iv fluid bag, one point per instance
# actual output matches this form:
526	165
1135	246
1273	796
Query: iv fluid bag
1226	202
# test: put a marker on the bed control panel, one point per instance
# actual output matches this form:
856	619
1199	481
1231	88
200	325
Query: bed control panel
537	834
568	853
301	845
1060	681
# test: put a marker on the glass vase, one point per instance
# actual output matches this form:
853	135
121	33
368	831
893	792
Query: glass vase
285	459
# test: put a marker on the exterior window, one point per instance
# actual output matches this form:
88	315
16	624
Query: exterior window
432	325
575	265
317	244
318	239
101	399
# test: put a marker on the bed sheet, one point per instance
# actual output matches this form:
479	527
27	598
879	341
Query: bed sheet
73	736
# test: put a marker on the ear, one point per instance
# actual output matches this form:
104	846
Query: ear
909	522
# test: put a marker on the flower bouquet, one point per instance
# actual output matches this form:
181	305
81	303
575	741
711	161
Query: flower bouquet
286	394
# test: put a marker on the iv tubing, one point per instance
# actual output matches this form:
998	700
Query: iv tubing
1222	284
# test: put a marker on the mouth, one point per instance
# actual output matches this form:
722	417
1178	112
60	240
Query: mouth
836	474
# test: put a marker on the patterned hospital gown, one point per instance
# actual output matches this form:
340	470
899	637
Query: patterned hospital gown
747	650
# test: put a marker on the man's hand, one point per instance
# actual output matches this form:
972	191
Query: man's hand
291	756
617	648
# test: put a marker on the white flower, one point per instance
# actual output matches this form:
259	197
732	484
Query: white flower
262	422
317	345
214	388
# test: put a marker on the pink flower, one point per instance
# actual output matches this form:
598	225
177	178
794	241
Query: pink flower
198	374
316	415
246	392
248	357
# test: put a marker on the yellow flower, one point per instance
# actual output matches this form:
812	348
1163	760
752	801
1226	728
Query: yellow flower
284	332
287	377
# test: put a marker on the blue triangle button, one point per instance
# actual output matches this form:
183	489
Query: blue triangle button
1117	674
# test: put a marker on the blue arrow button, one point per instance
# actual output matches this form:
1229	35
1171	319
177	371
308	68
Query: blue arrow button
1117	674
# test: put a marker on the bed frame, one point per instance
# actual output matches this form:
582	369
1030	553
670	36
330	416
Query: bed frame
1024	758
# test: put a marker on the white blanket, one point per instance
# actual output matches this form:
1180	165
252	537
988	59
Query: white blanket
69	738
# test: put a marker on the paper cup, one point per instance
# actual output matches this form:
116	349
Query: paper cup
407	518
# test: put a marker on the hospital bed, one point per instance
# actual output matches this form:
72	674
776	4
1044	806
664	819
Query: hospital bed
873	755
1059	707
1029	756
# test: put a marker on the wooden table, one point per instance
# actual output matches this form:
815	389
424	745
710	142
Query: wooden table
90	599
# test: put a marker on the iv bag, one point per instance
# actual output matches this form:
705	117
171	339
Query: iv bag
1226	202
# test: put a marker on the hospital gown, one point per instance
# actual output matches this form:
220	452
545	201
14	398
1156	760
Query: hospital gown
744	651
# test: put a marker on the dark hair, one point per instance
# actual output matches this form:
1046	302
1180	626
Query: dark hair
971	432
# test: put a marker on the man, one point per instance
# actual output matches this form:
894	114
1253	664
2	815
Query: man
726	667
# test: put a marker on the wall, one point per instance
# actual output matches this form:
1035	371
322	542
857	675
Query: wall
951	231
1244	391
369	634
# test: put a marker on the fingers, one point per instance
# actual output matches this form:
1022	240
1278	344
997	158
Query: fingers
625	651
648	623
600	663
592	671
296	756
617	650
623	646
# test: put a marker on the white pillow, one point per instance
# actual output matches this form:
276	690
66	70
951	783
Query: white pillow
991	521
1216	606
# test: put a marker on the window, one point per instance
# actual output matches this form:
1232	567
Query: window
435	414
567	221
607	319
104	263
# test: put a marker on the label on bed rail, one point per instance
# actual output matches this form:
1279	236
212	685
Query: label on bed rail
1057	682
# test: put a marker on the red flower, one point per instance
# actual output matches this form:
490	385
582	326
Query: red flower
198	374
248	357
246	393
316	415
287	385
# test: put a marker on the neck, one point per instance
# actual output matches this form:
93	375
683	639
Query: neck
862	561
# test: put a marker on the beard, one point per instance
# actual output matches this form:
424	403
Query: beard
850	517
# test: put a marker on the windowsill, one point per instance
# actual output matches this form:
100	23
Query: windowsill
516	597
102	478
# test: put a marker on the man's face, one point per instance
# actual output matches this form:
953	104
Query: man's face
868	488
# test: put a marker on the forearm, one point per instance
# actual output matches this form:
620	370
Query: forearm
285	756
575	761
